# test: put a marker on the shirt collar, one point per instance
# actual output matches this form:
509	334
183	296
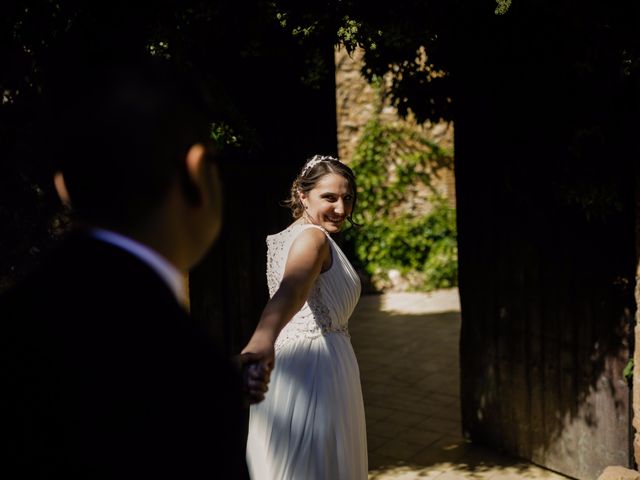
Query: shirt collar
170	274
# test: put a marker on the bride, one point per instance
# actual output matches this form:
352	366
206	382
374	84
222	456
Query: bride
311	425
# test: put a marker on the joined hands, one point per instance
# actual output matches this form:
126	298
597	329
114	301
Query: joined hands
256	374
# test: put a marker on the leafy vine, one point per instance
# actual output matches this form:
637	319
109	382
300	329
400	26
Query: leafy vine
407	226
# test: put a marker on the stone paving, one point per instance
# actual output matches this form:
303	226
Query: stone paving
407	349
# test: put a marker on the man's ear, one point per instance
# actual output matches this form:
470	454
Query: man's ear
193	174
61	189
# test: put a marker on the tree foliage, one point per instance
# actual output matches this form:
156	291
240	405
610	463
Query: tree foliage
422	42
435	52
233	45
412	42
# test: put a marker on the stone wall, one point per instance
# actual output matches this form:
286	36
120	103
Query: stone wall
357	103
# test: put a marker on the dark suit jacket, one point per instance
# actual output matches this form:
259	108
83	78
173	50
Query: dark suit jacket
105	376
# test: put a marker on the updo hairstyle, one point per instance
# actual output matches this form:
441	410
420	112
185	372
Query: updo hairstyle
313	170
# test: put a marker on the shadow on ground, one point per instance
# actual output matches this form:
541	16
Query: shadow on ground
407	349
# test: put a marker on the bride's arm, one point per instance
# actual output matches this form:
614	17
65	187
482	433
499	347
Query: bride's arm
306	257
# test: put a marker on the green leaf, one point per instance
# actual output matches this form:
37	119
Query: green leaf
627	373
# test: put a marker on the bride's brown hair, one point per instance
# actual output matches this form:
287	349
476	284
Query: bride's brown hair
313	170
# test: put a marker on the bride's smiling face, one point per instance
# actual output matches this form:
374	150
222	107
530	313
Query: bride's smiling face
329	203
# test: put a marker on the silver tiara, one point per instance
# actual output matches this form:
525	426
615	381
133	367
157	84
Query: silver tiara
316	159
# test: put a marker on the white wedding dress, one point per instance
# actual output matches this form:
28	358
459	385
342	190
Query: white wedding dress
311	426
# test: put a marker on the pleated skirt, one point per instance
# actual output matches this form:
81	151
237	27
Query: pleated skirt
311	426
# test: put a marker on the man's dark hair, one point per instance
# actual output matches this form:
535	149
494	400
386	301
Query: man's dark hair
121	133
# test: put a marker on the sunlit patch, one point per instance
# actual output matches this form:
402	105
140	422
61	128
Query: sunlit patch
462	470
409	303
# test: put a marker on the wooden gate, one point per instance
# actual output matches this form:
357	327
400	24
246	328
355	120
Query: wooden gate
545	183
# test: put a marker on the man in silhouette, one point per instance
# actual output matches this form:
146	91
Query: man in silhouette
105	374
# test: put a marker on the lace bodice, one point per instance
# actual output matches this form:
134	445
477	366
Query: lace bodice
332	298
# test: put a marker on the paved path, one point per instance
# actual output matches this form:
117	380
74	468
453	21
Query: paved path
407	348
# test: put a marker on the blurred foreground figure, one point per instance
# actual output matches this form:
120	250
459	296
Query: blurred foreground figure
105	374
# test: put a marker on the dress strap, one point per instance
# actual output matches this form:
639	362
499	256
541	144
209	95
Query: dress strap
305	226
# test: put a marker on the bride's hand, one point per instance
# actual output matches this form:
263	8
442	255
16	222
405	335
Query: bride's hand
261	346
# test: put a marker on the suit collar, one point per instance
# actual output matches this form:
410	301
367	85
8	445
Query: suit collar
173	278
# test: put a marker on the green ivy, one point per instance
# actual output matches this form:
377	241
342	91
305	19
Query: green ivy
502	7
627	373
224	135
420	246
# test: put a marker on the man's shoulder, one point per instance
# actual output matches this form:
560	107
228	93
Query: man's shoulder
87	263
86	282
79	254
